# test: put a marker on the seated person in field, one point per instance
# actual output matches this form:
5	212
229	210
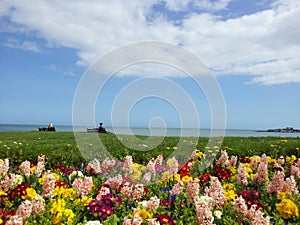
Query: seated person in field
102	129
51	127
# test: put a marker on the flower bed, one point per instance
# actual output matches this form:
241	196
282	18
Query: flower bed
231	190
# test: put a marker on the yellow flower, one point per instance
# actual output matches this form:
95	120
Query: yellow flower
2	193
174	148
291	159
287	208
248	168
270	160
285	141
65	192
32	169
168	148
30	194
83	201
1	221
232	169
68	145
144	214
70	215
186	179
282	195
176	177
230	195
199	154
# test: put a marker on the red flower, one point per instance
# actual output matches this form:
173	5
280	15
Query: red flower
183	175
165	219
222	173
185	169
204	178
245	160
166	202
61	183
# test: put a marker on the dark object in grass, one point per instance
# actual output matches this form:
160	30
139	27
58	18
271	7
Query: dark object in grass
101	129
50	128
282	130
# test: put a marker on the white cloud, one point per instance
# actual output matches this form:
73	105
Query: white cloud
25	45
265	44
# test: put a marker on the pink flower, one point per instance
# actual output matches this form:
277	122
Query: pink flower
153	221
262	171
153	203
277	183
223	161
147	177
114	182
173	165
151	166
25	209
127	191
4	166
242	175
103	190
25	168
240	205
48	186
138	192
192	190
40	166
159	159
204	215
233	161
83	185
7	182
216	192
177	188
127	166
15	220
107	164
94	167
38	205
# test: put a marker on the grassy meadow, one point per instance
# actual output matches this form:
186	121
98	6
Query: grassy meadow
61	147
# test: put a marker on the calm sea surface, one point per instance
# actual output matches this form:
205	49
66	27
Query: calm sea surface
145	131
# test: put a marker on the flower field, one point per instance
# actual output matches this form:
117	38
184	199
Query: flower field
256	189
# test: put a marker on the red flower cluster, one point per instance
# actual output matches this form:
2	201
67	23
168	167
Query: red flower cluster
251	198
222	173
245	160
205	177
165	219
6	214
19	191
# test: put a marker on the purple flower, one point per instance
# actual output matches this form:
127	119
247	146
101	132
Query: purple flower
105	212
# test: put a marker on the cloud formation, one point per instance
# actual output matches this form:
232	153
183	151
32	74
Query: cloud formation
264	44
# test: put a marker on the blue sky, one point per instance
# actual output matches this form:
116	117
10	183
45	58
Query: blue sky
252	47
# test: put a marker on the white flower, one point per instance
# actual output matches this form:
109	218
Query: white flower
75	174
143	203
18	179
218	214
206	199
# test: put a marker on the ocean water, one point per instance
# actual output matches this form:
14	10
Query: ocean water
147	132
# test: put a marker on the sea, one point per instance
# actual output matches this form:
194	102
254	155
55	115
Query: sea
154	131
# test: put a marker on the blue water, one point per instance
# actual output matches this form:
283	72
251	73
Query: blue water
145	131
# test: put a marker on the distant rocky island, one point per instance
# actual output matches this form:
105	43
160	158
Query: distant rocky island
282	130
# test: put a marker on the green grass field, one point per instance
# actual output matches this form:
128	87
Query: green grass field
62	148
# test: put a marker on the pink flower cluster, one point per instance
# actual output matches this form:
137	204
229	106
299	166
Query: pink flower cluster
253	214
280	184
83	185
262	170
48	186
